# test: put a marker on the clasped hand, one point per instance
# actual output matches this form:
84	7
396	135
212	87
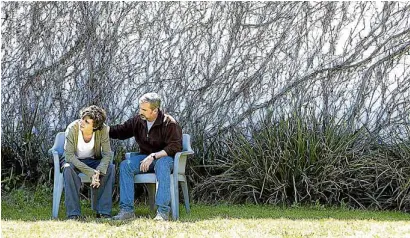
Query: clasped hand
95	179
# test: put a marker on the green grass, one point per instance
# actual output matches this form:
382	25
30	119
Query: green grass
28	214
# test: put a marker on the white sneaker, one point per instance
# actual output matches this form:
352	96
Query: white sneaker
161	217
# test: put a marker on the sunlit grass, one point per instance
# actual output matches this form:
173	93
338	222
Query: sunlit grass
29	215
214	227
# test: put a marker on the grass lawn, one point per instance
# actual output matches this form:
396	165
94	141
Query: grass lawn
28	215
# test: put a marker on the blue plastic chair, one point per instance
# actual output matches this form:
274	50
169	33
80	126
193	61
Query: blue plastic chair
150	180
57	151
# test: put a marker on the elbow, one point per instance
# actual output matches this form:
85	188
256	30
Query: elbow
68	158
172	151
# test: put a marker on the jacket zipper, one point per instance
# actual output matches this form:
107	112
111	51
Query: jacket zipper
148	130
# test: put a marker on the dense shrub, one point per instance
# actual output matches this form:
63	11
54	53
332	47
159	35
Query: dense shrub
296	161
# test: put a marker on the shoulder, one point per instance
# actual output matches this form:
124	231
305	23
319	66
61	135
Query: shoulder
134	120
73	126
104	129
169	120
137	121
102	135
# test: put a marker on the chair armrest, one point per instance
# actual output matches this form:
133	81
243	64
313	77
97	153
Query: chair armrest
186	152
129	154
52	151
180	161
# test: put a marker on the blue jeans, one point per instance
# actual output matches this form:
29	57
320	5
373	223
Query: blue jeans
102	203
162	168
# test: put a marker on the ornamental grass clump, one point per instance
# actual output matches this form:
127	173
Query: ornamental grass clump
299	161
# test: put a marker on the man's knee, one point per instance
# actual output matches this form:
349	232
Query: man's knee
126	167
70	173
164	164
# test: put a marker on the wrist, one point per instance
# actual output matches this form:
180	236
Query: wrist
154	156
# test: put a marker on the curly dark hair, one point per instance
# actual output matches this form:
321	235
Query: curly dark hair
96	113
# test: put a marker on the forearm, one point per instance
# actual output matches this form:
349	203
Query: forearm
160	154
85	169
122	131
105	161
106	152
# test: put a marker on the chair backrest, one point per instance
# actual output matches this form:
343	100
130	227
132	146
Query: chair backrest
59	143
186	142
186	146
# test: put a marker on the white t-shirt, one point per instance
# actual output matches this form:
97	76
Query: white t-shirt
85	150
149	125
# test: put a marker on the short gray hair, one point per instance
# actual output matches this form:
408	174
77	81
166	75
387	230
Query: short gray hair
152	98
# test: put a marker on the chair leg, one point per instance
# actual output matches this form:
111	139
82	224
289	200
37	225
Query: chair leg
57	191
93	196
174	200
184	186
151	187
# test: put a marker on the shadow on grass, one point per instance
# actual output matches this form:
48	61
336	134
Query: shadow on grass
201	212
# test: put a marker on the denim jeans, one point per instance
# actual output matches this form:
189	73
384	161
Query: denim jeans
102	194
162	168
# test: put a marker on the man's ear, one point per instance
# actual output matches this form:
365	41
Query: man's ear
156	110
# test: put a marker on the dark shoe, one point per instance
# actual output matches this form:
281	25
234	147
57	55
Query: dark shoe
74	217
103	216
124	215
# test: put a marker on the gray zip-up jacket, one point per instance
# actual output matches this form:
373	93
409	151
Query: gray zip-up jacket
102	149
